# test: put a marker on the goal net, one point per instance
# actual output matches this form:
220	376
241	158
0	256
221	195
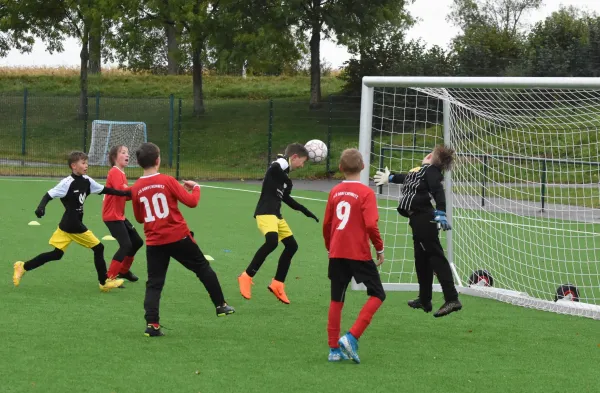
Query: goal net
524	194
106	134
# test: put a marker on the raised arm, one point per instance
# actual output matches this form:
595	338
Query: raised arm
182	195
386	176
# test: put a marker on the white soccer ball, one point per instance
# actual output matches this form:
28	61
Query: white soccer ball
317	150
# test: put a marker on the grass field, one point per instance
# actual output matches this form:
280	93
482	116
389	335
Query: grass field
61	334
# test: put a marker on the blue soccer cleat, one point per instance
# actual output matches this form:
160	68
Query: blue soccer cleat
349	346
337	355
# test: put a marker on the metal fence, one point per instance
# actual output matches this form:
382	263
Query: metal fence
233	139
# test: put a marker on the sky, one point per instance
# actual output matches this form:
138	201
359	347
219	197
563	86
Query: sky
432	28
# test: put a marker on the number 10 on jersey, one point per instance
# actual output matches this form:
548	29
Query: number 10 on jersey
159	205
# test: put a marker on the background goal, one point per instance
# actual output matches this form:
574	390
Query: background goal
106	134
524	196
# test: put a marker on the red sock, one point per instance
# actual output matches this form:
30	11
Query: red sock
126	265
114	268
333	323
365	316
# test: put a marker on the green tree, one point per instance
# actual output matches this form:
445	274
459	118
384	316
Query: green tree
348	22
492	40
562	45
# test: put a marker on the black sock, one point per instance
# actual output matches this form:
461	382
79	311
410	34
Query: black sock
285	260
271	241
100	263
41	259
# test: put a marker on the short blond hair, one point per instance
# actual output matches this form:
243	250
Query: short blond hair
351	162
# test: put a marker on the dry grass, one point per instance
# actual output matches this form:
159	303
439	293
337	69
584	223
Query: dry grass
55	71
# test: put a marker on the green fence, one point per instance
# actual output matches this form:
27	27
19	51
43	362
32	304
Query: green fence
233	139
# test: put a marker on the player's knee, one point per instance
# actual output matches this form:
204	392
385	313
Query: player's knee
57	254
126	247
271	240
377	292
98	248
136	244
290	244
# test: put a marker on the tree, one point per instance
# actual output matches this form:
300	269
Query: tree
561	45
21	22
348	21
492	39
148	37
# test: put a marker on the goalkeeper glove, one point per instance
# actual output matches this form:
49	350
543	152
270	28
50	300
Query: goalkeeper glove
382	178
40	211
441	220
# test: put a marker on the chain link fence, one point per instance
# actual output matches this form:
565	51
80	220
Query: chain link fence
233	139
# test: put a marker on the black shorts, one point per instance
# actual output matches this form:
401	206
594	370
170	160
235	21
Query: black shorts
344	269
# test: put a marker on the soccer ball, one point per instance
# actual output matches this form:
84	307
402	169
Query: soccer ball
317	150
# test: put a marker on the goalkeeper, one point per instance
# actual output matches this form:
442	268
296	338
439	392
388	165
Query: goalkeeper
418	186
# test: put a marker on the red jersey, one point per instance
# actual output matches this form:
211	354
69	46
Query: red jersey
351	218
154	200
113	207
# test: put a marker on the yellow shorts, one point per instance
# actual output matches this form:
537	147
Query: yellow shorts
61	239
270	223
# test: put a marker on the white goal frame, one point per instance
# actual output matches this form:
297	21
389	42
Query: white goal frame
369	83
106	143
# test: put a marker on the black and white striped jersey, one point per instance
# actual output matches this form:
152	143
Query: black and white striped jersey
419	185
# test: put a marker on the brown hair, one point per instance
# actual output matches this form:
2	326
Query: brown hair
76	156
147	154
113	153
443	157
351	162
296	148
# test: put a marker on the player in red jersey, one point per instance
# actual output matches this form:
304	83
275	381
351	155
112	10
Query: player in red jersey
113	215
155	197
351	218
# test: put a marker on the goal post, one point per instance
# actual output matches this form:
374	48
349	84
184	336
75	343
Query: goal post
106	134
523	197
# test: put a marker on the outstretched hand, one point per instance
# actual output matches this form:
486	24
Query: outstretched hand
382	178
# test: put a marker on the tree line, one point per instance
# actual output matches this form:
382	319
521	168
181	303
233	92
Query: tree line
493	40
273	37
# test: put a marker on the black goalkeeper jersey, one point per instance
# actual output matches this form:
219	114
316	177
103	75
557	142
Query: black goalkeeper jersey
276	187
419	185
72	191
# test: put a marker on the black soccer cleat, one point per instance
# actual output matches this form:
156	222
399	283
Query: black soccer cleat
448	308
224	310
129	276
152	331
416	303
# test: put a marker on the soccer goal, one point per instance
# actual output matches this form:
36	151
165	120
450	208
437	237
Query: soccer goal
523	197
106	134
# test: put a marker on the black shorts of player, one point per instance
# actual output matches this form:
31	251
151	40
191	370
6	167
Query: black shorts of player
188	253
341	272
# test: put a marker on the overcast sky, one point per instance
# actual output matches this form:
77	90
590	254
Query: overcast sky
432	28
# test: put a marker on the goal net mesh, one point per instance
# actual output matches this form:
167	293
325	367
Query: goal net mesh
106	134
524	191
